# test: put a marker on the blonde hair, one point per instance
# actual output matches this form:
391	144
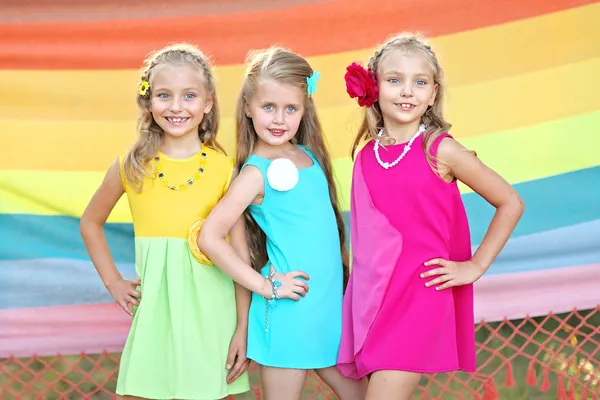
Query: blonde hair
433	119
289	68
137	161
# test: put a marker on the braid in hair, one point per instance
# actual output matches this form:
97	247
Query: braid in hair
137	162
433	119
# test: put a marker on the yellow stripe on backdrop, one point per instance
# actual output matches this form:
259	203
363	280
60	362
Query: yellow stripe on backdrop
468	57
524	154
513	88
481	108
520	155
54	193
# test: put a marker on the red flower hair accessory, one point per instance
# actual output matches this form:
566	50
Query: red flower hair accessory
362	84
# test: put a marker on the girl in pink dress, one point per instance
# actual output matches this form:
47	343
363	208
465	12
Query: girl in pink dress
408	308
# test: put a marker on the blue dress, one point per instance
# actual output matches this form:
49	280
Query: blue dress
302	234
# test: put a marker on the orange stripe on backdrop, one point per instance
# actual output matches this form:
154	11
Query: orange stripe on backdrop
310	30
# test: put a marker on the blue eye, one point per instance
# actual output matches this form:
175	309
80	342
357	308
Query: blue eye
421	83
190	96
394	80
268	107
291	109
163	95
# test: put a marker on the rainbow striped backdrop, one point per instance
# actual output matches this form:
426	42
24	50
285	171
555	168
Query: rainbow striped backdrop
523	82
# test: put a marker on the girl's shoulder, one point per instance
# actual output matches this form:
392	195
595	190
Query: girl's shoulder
310	153
121	160
221	166
435	138
446	146
257	161
217	157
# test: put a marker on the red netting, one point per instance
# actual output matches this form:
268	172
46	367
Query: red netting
550	357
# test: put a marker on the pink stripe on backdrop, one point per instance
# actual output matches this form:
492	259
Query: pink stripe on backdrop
537	293
63	329
99	327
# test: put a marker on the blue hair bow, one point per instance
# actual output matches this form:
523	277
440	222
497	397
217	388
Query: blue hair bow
311	83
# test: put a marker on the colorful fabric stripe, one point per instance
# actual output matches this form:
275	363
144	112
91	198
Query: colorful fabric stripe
522	82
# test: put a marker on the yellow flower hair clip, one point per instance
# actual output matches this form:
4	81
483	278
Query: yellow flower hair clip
143	87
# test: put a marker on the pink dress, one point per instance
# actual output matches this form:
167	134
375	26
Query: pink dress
400	218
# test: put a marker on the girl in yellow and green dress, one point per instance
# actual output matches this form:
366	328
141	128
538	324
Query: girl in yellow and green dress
187	339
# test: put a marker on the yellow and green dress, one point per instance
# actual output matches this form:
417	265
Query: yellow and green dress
180	334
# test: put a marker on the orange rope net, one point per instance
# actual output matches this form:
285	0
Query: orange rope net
549	357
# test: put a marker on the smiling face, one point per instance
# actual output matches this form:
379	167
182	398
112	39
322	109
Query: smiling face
276	110
179	100
406	87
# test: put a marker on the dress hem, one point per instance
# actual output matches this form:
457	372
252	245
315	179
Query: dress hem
317	366
405	369
179	396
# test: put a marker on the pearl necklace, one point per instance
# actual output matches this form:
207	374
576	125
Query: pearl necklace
388	165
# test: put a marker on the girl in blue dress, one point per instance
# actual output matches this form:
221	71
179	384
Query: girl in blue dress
294	227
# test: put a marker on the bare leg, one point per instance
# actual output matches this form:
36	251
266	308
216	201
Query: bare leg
282	383
344	388
392	385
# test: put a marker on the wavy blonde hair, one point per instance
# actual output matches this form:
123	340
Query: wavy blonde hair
289	68
137	162
433	119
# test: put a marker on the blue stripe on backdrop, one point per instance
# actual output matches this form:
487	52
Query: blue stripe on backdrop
53	282
550	203
46	282
25	236
56	281
570	246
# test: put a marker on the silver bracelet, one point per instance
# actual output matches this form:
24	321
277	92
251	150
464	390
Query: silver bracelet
275	284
